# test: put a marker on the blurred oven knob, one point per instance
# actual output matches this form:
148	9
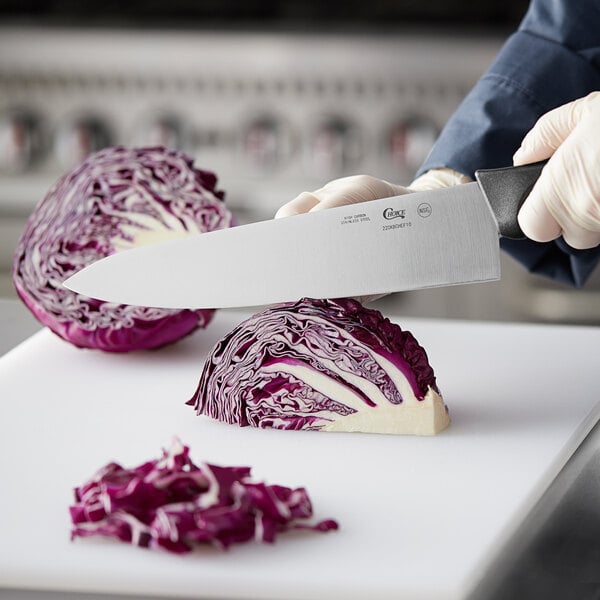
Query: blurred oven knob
163	130
266	143
335	147
79	138
410	141
20	141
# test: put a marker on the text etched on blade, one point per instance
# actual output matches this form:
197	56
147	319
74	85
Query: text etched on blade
356	218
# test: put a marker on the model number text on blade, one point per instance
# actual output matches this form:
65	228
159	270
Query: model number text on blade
396	226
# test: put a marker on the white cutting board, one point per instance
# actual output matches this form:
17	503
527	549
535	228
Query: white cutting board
420	517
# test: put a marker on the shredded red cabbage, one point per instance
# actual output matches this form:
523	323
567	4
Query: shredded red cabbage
173	504
312	363
116	199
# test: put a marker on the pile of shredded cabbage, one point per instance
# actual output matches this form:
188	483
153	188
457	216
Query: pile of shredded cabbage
175	505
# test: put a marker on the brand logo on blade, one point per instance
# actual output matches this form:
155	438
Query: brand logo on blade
390	213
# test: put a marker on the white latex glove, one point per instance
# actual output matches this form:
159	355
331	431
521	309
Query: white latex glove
438	178
362	188
566	198
340	192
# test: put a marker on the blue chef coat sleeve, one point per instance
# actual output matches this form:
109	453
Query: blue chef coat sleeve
553	58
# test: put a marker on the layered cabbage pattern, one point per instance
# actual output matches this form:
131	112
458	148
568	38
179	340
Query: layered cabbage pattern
117	199
321	365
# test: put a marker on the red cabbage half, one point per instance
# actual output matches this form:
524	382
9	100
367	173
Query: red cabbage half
329	365
172	504
116	199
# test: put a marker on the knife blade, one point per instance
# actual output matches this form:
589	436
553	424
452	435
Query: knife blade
419	240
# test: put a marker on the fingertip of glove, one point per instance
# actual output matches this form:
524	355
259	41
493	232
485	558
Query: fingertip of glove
538	225
518	156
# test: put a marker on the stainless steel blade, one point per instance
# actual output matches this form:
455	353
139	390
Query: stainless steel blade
417	240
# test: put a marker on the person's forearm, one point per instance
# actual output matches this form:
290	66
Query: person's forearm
553	59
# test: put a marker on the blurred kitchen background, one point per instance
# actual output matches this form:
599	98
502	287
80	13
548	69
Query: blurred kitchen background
275	96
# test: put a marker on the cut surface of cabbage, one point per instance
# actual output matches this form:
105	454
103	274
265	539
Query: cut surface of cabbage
116	199
327	365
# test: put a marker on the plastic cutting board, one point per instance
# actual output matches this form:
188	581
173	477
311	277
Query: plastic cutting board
420	517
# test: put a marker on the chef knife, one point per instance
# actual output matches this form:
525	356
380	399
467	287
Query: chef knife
419	240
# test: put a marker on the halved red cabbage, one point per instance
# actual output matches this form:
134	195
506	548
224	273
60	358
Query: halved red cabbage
116	199
329	365
173	504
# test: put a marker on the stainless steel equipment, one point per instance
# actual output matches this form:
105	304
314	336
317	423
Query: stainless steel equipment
272	113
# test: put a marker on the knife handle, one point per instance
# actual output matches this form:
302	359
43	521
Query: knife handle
505	190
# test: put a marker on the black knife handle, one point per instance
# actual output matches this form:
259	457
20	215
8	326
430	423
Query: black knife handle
505	190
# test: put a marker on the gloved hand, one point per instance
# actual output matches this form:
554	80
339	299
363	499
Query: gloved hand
362	188
340	192
566	198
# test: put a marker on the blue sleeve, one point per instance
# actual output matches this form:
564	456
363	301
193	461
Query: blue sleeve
553	58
